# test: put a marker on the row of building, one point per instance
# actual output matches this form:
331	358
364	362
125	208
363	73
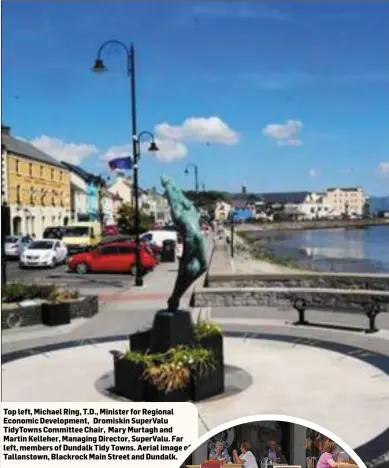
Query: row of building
334	203
42	191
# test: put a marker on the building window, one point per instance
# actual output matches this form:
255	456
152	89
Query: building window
18	195
41	172
60	176
53	197
32	196
17	167
43	194
52	174
30	169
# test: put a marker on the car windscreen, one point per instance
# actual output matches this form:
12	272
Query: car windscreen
76	231
41	245
11	239
51	232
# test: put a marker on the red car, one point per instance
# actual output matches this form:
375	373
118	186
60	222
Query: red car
110	258
110	230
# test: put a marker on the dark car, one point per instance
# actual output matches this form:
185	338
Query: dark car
53	232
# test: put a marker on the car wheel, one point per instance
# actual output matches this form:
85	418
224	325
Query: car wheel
133	270
53	263
82	268
21	266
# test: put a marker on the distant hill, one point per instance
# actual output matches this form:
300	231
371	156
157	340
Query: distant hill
379	204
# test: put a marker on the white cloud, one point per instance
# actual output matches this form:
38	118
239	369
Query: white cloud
172	139
383	169
312	172
206	129
168	151
290	142
120	151
284	134
73	153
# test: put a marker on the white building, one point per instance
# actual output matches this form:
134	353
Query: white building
347	201
312	207
123	187
155	204
109	207
222	210
79	203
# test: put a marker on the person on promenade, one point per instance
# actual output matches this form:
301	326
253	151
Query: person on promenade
246	458
328	455
220	452
274	453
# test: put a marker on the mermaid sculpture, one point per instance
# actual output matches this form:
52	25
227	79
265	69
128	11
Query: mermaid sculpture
193	262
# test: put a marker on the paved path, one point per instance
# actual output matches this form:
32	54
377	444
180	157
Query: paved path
287	378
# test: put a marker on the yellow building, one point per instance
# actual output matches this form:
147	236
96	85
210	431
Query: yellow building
37	187
347	201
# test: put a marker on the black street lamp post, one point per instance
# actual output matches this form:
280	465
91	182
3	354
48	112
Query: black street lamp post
100	67
195	168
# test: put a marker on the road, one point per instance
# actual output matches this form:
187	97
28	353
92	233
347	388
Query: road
61	276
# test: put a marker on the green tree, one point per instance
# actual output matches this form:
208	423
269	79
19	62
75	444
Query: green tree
126	220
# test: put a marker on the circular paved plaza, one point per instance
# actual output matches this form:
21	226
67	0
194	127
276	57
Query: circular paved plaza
332	385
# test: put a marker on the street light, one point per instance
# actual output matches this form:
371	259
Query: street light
195	168
100	67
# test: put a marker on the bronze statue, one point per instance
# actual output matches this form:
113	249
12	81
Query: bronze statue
193	262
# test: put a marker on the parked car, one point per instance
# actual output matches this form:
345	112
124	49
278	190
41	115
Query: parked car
53	232
114	257
15	245
110	230
43	253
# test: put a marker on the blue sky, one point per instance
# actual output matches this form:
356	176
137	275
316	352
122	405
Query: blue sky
273	95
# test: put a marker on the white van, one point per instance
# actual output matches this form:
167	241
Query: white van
157	237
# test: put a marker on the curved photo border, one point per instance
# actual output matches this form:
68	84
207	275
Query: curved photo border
375	451
272	417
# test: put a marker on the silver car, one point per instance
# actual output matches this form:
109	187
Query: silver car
15	245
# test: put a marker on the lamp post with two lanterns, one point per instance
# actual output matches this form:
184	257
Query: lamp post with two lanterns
100	67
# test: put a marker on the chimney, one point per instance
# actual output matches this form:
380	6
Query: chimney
5	130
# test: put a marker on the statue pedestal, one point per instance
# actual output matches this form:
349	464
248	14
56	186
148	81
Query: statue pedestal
171	329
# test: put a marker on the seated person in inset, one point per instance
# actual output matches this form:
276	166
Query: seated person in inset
274	453
246	457
328	455
219	452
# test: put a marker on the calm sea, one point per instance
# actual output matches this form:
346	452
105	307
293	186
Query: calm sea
349	250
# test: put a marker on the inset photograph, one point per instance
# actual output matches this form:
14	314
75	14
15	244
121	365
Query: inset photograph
272	444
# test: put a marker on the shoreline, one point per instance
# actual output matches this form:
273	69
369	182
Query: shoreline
275	227
266	258
262	249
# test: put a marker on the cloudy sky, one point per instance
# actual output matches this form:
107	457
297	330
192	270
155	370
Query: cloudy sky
272	95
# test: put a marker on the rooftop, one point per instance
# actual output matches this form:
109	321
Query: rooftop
23	148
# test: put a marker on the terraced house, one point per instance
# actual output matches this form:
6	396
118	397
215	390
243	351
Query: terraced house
38	187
